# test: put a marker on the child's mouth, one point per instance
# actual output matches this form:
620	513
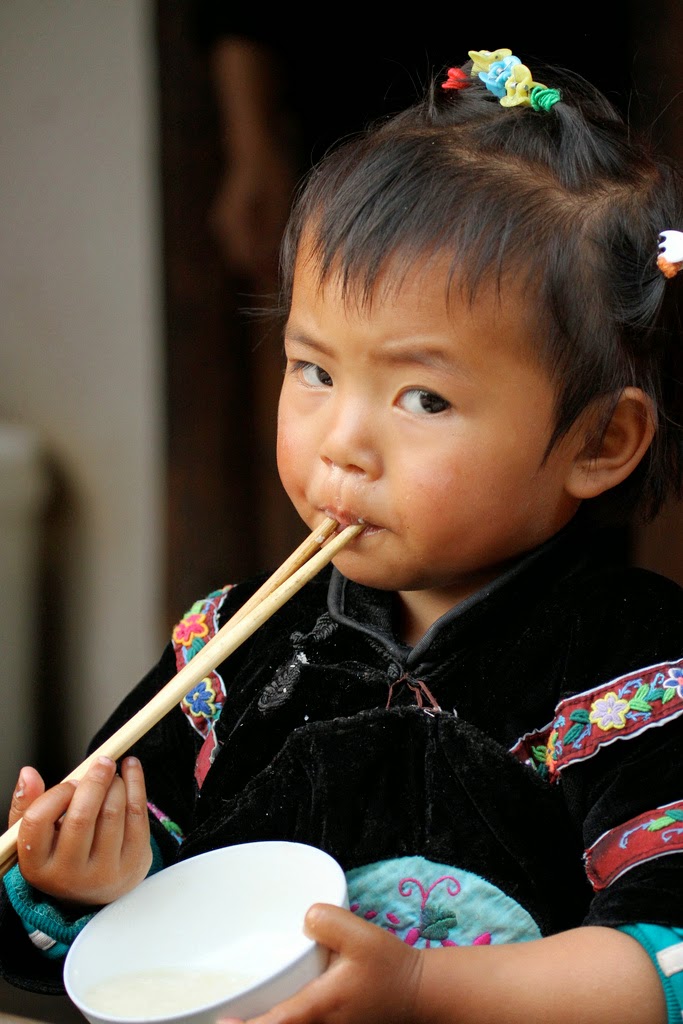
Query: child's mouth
345	518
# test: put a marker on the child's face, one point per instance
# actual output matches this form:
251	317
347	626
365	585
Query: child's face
428	423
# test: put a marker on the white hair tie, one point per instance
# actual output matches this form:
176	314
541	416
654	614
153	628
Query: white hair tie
670	259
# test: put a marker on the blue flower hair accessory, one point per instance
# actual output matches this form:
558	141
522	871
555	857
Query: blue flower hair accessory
510	81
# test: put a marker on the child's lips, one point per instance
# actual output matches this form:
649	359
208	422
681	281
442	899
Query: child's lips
346	518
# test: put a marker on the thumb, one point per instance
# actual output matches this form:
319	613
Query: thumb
335	927
29	786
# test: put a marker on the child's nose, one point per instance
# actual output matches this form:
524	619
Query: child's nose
351	443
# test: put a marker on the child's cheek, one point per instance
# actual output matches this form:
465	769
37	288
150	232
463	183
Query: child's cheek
290	463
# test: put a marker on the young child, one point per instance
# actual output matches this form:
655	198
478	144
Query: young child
477	709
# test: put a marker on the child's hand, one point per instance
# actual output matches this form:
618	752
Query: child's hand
373	976
85	843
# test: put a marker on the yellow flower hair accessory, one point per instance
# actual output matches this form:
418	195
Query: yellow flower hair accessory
506	77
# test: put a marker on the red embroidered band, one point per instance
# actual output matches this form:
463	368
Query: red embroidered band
652	834
620	709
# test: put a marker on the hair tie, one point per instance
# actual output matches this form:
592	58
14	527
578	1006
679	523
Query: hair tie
510	81
542	98
670	259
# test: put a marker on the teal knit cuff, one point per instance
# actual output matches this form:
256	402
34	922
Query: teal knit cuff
48	926
50	929
664	946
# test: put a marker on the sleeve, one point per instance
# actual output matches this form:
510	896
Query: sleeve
615	749
664	946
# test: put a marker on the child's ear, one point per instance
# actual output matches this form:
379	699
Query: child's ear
602	465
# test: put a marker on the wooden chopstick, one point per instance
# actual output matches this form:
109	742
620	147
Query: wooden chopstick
300	567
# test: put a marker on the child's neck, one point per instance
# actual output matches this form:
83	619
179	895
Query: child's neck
417	610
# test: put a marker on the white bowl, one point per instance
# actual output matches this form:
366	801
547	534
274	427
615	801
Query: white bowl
219	934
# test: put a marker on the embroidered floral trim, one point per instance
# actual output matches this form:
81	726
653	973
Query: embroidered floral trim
170	826
204	703
648	836
192	627
619	709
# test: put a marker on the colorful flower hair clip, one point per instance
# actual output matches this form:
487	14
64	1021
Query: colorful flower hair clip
456	79
510	81
670	259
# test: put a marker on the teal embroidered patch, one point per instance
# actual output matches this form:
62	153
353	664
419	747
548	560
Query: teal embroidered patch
428	904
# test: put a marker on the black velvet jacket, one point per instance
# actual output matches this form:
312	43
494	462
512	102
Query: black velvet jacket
334	733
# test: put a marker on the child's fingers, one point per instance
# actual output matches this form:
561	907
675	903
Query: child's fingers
307	1006
338	929
107	838
40	823
137	820
122	821
29	786
77	827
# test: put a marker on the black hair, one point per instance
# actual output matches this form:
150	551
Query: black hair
567	203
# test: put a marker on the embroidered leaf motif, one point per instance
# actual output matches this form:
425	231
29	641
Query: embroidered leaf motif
635	704
668	694
573	733
660	823
439	929
580	715
540	754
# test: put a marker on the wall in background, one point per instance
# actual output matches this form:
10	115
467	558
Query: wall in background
81	353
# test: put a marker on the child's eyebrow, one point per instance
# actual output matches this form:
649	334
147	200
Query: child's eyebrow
297	334
430	355
405	353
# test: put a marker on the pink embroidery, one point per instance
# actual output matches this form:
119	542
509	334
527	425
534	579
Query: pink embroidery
425	893
433	927
163	818
191	626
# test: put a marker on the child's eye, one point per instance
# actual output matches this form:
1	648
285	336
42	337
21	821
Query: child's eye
418	401
313	375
